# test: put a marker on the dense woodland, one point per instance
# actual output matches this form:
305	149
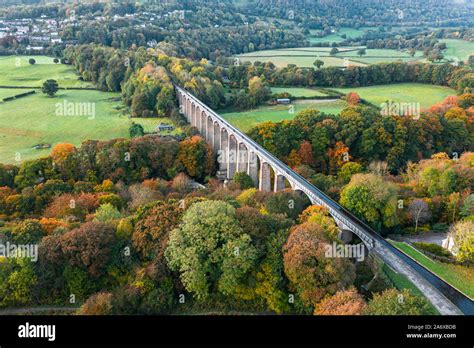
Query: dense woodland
120	223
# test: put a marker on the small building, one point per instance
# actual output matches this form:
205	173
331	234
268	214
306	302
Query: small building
164	127
283	101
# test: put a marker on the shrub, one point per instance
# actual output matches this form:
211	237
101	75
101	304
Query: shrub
107	212
28	231
97	304
432	248
244	180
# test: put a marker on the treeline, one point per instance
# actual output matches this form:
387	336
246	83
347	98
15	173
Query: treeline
360	133
353	13
70	169
457	77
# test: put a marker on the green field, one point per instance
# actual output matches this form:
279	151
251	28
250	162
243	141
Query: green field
302	56
459	49
247	119
305	56
299	92
336	37
10	92
460	277
374	56
33	120
37	119
426	95
16	71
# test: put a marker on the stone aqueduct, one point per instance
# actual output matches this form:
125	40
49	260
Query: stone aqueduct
238	153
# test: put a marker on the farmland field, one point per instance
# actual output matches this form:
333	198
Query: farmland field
305	56
247	119
302	56
426	95
459	49
374	56
336	37
299	92
16	71
34	119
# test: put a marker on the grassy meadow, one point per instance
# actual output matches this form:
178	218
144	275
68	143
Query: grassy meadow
459	49
16	71
336	37
245	120
305	56
299	92
425	94
37	119
460	277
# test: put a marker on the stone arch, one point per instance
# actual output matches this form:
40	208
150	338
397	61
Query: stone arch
232	156
266	176
217	136
202	123
210	130
281	182
189	115
304	195
242	158
253	167
223	156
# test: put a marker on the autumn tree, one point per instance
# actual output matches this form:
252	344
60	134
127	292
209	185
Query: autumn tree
338	156
306	153
352	98
343	302
28	231
196	157
312	274
462	234
89	246
153	224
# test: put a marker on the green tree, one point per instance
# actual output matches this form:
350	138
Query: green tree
106	213
136	130
50	87
361	52
372	199
318	63
210	250
394	302
28	231
244	180
17	282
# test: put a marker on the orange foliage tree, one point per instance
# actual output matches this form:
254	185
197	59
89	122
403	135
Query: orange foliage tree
338	156
306	153
344	302
352	98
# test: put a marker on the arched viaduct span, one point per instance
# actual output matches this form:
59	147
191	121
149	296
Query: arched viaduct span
238	153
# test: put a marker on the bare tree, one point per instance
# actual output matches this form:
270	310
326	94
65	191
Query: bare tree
378	168
419	212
